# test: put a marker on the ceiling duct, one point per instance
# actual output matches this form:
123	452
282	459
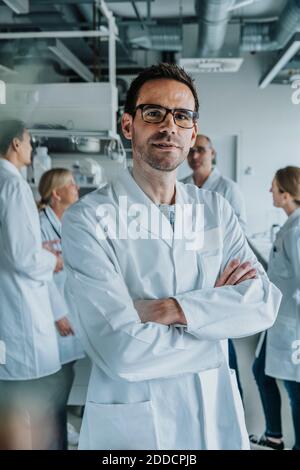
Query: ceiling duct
214	53
273	35
157	38
213	17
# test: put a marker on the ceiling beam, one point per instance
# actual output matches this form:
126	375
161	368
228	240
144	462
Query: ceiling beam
68	58
53	34
137	13
292	48
77	2
48	25
18	6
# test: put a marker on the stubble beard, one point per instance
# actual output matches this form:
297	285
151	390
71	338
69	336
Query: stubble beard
158	163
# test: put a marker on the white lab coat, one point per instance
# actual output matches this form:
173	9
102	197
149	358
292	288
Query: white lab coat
228	189
70	348
155	386
284	271
26	320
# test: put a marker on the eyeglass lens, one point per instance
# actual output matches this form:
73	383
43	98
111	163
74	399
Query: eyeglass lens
183	118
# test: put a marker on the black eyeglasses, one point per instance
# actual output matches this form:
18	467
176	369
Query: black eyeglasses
198	149
155	114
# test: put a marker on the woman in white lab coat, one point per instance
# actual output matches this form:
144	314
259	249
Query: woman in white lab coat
279	355
58	191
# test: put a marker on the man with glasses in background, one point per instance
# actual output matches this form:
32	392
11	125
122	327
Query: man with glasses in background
200	158
205	176
152	302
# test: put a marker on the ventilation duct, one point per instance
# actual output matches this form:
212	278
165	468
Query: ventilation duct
275	35
213	17
158	38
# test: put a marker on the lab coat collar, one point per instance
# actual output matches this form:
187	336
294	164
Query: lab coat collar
213	177
125	185
56	223
7	165
292	217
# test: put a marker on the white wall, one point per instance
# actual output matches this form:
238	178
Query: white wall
267	122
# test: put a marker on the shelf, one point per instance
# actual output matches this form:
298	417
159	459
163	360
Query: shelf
114	146
76	155
65	133
87	185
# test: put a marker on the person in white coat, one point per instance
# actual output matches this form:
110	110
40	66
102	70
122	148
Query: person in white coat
143	287
31	366
59	191
200	159
278	352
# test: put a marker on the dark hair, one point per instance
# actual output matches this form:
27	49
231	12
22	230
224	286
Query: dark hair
155	72
9	130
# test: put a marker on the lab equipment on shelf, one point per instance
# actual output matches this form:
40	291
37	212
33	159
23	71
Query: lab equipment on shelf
41	163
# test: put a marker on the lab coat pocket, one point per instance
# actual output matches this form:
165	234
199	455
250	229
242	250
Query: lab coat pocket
121	426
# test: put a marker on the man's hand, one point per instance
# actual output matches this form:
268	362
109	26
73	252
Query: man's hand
164	311
235	273
64	327
169	312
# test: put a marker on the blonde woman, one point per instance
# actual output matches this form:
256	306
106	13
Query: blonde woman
277	358
59	191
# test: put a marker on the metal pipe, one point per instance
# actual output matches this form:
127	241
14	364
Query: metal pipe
54	34
136	11
256	38
213	17
112	32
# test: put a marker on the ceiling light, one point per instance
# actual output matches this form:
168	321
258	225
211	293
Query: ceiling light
202	65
